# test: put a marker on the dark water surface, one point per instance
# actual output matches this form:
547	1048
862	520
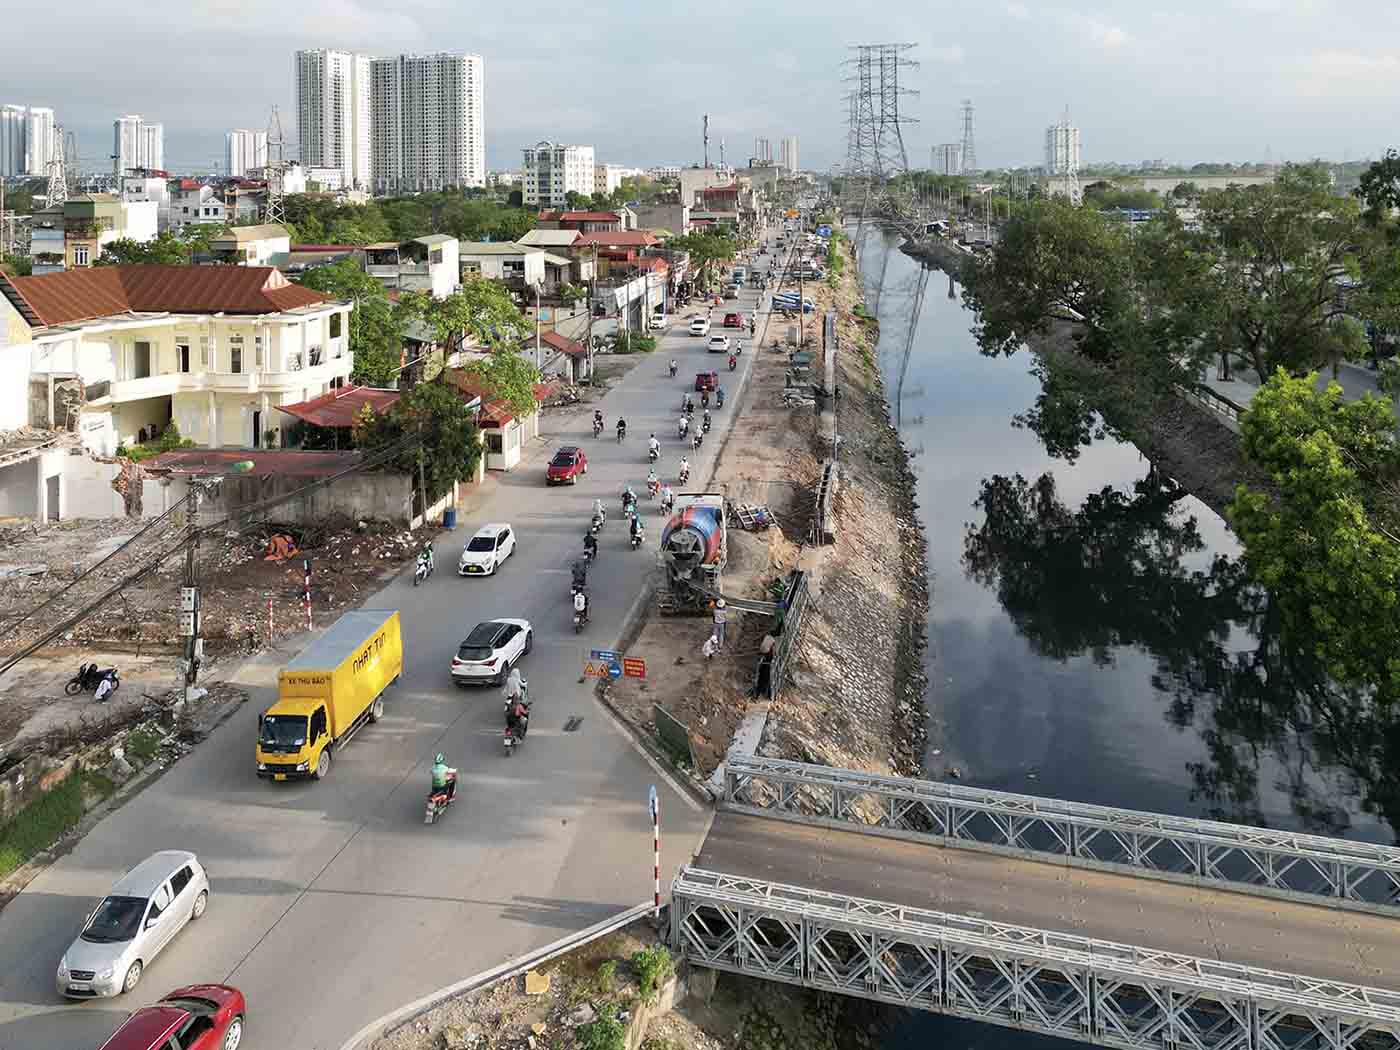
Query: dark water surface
1092	633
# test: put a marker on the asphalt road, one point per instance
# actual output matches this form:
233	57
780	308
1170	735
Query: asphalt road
332	903
1279	935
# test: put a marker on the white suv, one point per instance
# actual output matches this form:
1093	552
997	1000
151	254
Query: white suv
700	326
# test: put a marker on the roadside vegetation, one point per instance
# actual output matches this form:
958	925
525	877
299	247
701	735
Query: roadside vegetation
41	823
1273	281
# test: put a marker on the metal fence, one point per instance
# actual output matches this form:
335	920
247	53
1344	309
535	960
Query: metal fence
1063	985
1344	874
794	606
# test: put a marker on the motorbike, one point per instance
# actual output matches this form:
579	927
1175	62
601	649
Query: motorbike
597	428
438	801
673	370
697	440
719	398
596	525
512	736
629	503
685	475
653	455
705	426
621	433
733	362
705	399
89	679
422	570
653	487
637	537
682	427
589	553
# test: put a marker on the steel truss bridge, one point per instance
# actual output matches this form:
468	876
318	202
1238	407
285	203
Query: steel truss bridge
1323	905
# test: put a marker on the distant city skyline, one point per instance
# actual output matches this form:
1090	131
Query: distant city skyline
1228	80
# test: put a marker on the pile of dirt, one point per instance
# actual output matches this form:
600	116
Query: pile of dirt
854	695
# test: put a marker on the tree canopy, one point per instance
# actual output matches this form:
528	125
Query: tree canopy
511	377
376	326
438	428
466	216
165	250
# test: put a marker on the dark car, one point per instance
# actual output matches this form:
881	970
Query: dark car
198	1017
706	380
566	466
733	321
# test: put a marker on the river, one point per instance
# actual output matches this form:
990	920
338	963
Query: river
1092	633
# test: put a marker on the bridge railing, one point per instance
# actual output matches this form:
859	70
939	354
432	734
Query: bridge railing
1314	868
1060	984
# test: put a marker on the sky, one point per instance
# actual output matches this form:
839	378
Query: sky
1201	80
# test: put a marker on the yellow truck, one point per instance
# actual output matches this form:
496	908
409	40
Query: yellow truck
332	688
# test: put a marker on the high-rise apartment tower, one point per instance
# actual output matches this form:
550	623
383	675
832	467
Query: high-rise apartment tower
333	112
427	124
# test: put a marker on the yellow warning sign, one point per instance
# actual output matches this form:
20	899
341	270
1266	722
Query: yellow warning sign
592	670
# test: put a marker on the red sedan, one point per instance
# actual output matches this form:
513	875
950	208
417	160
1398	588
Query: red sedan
733	321
568	465
199	1017
706	380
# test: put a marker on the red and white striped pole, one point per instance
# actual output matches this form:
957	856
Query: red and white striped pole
269	620
656	855
306	590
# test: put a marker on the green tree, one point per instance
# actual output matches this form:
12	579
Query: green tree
1379	188
571	293
376	328
480	307
17	265
438	429
708	251
1324	542
165	250
509	376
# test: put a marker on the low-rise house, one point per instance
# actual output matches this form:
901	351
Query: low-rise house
583	221
674	218
429	264
117	353
515	264
72	235
267	245
194	202
503	431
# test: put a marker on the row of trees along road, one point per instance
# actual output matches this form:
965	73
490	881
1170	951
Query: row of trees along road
1271	279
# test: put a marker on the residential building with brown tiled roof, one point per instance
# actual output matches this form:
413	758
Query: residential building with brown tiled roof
116	353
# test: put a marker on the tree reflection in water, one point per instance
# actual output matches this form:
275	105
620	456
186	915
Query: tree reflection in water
1111	575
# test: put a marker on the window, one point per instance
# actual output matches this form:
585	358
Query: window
206	346
180	880
195	1028
258	353
141	361
493	442
81	255
182	357
318	724
335	326
160	900
235	359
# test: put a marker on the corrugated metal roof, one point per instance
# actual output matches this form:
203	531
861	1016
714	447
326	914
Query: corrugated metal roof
244	234
222	462
102	291
563	344
339	408
539	237
496	248
435	238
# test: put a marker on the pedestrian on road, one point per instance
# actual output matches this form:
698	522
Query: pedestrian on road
719	618
708	649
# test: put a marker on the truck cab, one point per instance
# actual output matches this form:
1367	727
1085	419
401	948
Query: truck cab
292	736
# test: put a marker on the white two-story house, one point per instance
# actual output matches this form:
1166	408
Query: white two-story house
119	352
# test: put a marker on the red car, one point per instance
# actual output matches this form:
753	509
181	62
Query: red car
568	464
733	321
199	1017
706	380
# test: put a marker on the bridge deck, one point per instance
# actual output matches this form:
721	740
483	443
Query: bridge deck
1312	940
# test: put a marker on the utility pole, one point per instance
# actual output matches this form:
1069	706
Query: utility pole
592	293
707	141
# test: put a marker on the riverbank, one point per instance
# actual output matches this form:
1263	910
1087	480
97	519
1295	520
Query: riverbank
1180	436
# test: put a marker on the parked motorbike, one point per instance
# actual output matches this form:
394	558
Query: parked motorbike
438	801
89	679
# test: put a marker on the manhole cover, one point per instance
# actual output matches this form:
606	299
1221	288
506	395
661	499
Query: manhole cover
572	724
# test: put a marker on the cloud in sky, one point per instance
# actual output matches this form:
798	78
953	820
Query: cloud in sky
1206	79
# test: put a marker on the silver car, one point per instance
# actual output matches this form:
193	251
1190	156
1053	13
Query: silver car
144	911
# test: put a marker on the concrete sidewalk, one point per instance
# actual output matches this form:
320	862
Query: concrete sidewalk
1355	380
